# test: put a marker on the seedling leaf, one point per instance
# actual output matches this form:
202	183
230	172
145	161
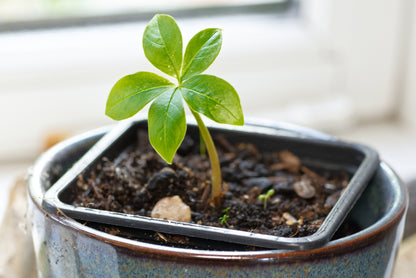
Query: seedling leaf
265	197
213	97
132	92
167	124
225	217
201	52
162	44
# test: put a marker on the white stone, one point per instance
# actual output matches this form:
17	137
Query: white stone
172	208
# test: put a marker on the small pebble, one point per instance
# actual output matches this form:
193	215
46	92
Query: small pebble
283	187
291	161
262	183
262	170
330	188
162	179
246	165
304	189
276	200
172	208
290	219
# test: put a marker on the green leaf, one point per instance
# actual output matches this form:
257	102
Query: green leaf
201	52
213	97
132	92
167	124
162	44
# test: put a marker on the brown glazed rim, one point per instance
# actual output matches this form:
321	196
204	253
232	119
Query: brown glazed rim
348	244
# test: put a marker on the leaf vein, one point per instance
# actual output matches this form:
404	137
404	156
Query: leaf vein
167	115
212	99
142	91
167	52
196	53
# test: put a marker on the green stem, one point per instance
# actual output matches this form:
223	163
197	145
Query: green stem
202	149
213	157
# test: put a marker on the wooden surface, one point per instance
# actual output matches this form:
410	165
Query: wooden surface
16	256
406	260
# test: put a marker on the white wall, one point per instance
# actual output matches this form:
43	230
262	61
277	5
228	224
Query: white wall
408	111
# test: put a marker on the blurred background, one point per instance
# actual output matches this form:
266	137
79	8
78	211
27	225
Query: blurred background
344	67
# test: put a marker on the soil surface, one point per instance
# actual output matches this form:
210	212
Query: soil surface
138	178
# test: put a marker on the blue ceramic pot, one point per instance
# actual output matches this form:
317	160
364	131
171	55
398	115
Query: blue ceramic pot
66	248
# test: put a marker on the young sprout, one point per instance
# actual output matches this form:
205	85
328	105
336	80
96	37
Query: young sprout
225	217
265	197
204	94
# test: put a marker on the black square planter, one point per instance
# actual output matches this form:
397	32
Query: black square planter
358	160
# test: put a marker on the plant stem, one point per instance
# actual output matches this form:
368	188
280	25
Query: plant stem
202	148
213	157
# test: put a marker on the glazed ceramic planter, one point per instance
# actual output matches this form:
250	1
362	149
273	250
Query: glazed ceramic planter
66	248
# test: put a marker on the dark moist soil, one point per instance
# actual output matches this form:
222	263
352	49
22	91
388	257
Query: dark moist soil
138	178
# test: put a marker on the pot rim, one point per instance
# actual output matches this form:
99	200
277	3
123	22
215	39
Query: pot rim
354	241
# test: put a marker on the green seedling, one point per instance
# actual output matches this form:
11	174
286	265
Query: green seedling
225	217
204	94
265	197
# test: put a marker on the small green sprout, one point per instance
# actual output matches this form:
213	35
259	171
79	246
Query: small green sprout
204	94
225	217
265	197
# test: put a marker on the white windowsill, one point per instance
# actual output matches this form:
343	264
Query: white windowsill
395	142
9	174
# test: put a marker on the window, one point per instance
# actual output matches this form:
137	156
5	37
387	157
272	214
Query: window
35	14
310	65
